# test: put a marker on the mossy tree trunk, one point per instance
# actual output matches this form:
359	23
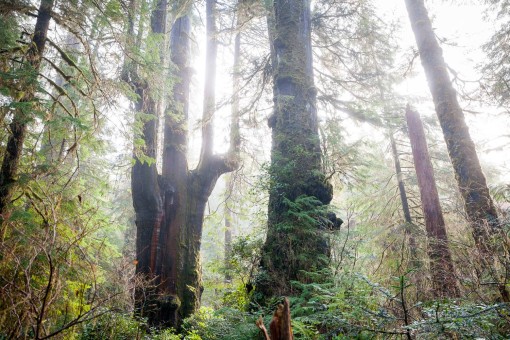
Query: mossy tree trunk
23	115
444	282
471	181
293	246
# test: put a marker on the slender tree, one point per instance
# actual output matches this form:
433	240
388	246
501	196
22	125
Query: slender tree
26	103
471	181
405	203
441	265
400	180
235	141
293	246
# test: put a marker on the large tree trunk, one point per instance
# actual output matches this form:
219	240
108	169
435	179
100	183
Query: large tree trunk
292	249
170	208
23	115
145	185
441	266
470	178
186	192
175	177
202	180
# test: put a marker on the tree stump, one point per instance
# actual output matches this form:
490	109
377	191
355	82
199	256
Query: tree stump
280	326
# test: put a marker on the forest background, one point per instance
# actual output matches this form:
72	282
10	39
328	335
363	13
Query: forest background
69	264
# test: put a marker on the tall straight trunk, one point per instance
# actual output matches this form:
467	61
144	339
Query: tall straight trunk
400	180
23	115
235	141
145	188
292	249
478	204
227	249
441	265
404	201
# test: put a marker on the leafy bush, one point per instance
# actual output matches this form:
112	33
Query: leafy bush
116	326
223	324
466	320
113	326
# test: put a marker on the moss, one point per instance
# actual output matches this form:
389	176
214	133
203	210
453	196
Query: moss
299	190
169	302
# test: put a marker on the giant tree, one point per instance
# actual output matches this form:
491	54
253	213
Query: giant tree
471	181
147	199
170	207
299	192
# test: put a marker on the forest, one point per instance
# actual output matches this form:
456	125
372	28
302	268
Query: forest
254	169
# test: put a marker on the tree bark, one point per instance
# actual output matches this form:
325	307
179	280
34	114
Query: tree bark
186	192
170	208
23	115
441	265
478	204
202	180
175	178
145	188
471	181
228	242
296	170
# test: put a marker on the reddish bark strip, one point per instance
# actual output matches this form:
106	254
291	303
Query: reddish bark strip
441	265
